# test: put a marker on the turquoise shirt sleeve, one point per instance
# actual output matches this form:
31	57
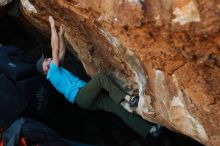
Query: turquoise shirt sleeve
64	81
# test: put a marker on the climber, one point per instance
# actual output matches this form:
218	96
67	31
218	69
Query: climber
89	95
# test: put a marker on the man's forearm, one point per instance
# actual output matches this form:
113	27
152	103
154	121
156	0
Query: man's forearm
55	46
55	56
62	48
54	41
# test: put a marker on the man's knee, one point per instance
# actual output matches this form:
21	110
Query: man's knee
101	75
101	78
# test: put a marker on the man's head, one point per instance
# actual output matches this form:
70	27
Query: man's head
43	65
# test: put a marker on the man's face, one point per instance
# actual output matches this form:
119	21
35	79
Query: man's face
46	64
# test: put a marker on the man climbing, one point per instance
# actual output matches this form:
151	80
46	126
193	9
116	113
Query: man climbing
89	95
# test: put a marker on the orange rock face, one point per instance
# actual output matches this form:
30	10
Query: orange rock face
167	51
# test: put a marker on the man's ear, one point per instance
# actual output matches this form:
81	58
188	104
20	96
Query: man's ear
46	68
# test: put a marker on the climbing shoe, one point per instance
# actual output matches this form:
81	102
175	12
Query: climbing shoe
133	102
156	130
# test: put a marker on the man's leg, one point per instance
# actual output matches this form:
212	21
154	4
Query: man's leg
54	36
90	92
134	121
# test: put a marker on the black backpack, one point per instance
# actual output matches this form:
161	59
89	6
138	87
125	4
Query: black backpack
35	134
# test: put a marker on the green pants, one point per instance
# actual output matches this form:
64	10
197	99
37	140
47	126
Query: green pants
91	97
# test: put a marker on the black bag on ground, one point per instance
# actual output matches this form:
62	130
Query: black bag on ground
15	64
12	104
34	132
37	133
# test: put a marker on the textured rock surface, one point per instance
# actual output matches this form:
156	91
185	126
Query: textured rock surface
4	2
4	6
167	51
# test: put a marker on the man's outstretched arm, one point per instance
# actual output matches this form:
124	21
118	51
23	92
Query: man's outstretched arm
62	48
54	42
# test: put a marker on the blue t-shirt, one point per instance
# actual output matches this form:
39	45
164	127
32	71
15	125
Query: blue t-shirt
64	81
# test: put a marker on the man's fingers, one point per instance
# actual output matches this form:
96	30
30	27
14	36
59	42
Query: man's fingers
62	26
62	29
